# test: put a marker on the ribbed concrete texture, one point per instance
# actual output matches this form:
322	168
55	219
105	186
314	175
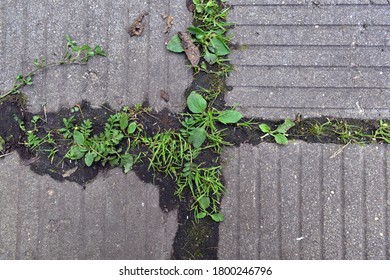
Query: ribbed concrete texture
115	217
327	57
306	201
136	69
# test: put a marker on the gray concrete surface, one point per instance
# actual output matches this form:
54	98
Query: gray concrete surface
136	68
331	58
305	201
115	217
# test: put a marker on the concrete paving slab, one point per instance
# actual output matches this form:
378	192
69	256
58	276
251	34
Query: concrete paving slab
295	57
303	201
115	217
136	68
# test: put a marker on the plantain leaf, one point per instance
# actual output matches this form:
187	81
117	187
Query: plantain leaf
197	136
218	217
229	116
219	47
264	128
204	202
196	103
281	139
174	45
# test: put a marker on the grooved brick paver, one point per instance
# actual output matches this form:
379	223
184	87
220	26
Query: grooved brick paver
115	217
305	201
324	59
135	70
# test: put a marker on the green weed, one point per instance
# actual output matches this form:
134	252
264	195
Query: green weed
200	125
73	54
206	189
280	133
106	147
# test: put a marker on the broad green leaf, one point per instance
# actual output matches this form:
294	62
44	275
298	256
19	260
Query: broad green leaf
220	48
75	153
174	45
132	127
229	116
281	139
196	103
67	37
197	136
201	215
264	128
89	158
78	137
204	202
210	57
199	33
282	128
218	217
123	121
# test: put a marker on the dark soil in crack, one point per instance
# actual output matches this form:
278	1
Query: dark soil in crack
194	240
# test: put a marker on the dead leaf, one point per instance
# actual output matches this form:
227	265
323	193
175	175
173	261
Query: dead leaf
137	27
164	95
168	23
192	51
30	161
70	172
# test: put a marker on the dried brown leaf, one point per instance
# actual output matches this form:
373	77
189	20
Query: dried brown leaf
168	23
137	27
192	51
164	95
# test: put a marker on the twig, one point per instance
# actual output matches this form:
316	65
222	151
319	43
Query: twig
2	156
340	150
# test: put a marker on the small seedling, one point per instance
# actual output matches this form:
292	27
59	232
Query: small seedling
200	125
383	132
280	133
73	55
